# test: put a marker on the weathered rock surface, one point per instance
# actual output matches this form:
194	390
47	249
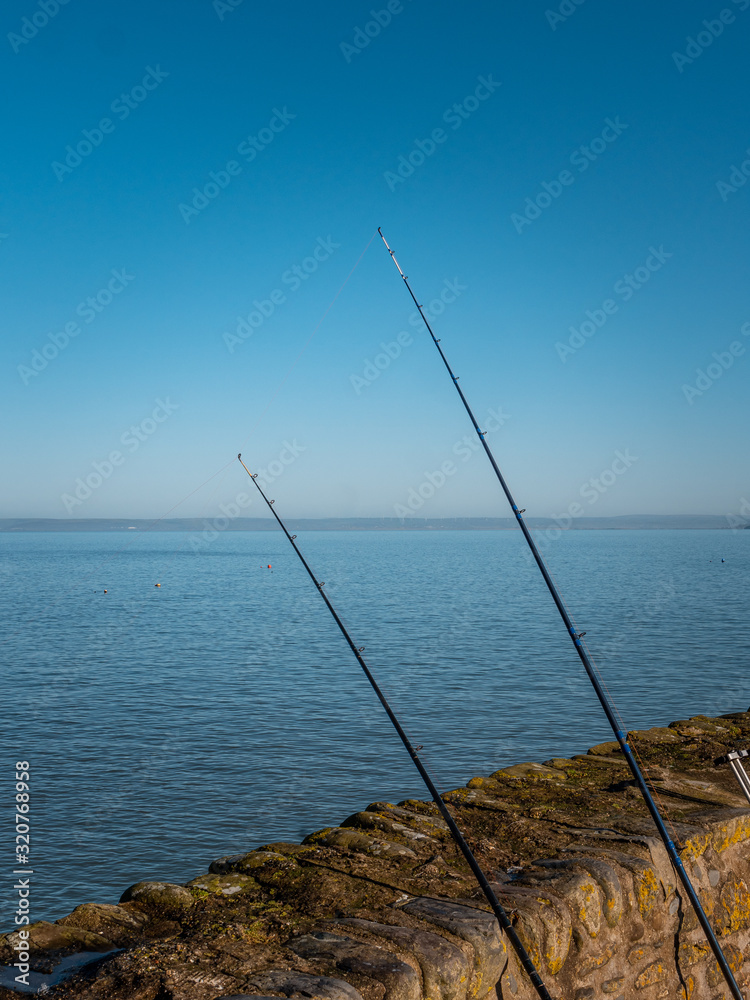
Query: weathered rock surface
400	980
384	907
293	984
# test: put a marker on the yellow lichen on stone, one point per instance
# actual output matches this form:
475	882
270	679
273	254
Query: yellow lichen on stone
708	901
475	990
688	988
636	954
558	935
654	973
734	957
735	900
456	793
595	962
647	890
695	847
529	941
692	954
584	900
590	908
732	832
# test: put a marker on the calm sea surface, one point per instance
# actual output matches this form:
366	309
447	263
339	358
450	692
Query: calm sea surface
168	726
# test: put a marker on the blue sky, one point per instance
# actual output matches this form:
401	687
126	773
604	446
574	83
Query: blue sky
190	167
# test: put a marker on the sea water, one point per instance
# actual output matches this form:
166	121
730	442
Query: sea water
168	726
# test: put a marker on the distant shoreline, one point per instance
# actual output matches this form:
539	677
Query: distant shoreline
626	522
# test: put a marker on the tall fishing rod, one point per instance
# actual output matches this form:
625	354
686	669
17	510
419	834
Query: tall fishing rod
588	666
502	917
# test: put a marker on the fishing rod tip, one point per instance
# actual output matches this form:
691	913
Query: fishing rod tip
239	456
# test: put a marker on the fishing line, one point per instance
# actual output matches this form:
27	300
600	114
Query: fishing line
502	917
576	637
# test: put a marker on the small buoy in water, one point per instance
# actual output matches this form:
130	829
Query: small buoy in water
269	565
722	560
157	585
105	591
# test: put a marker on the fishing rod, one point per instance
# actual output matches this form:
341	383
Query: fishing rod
502	917
576	637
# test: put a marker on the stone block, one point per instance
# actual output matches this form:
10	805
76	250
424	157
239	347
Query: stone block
428	824
530	770
659	734
609	749
245	863
700	726
44	936
657	972
300	984
353	840
446	971
544	921
734	912
374	821
161	898
223	885
480	929
401	981
104	917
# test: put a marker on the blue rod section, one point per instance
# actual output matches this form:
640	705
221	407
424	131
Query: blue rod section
589	668
502	917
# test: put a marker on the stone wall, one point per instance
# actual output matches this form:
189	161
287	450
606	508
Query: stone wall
385	908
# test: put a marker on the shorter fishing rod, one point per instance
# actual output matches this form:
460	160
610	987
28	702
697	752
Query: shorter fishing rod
576	637
502	917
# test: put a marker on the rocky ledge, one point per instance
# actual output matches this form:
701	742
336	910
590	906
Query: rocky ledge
384	907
